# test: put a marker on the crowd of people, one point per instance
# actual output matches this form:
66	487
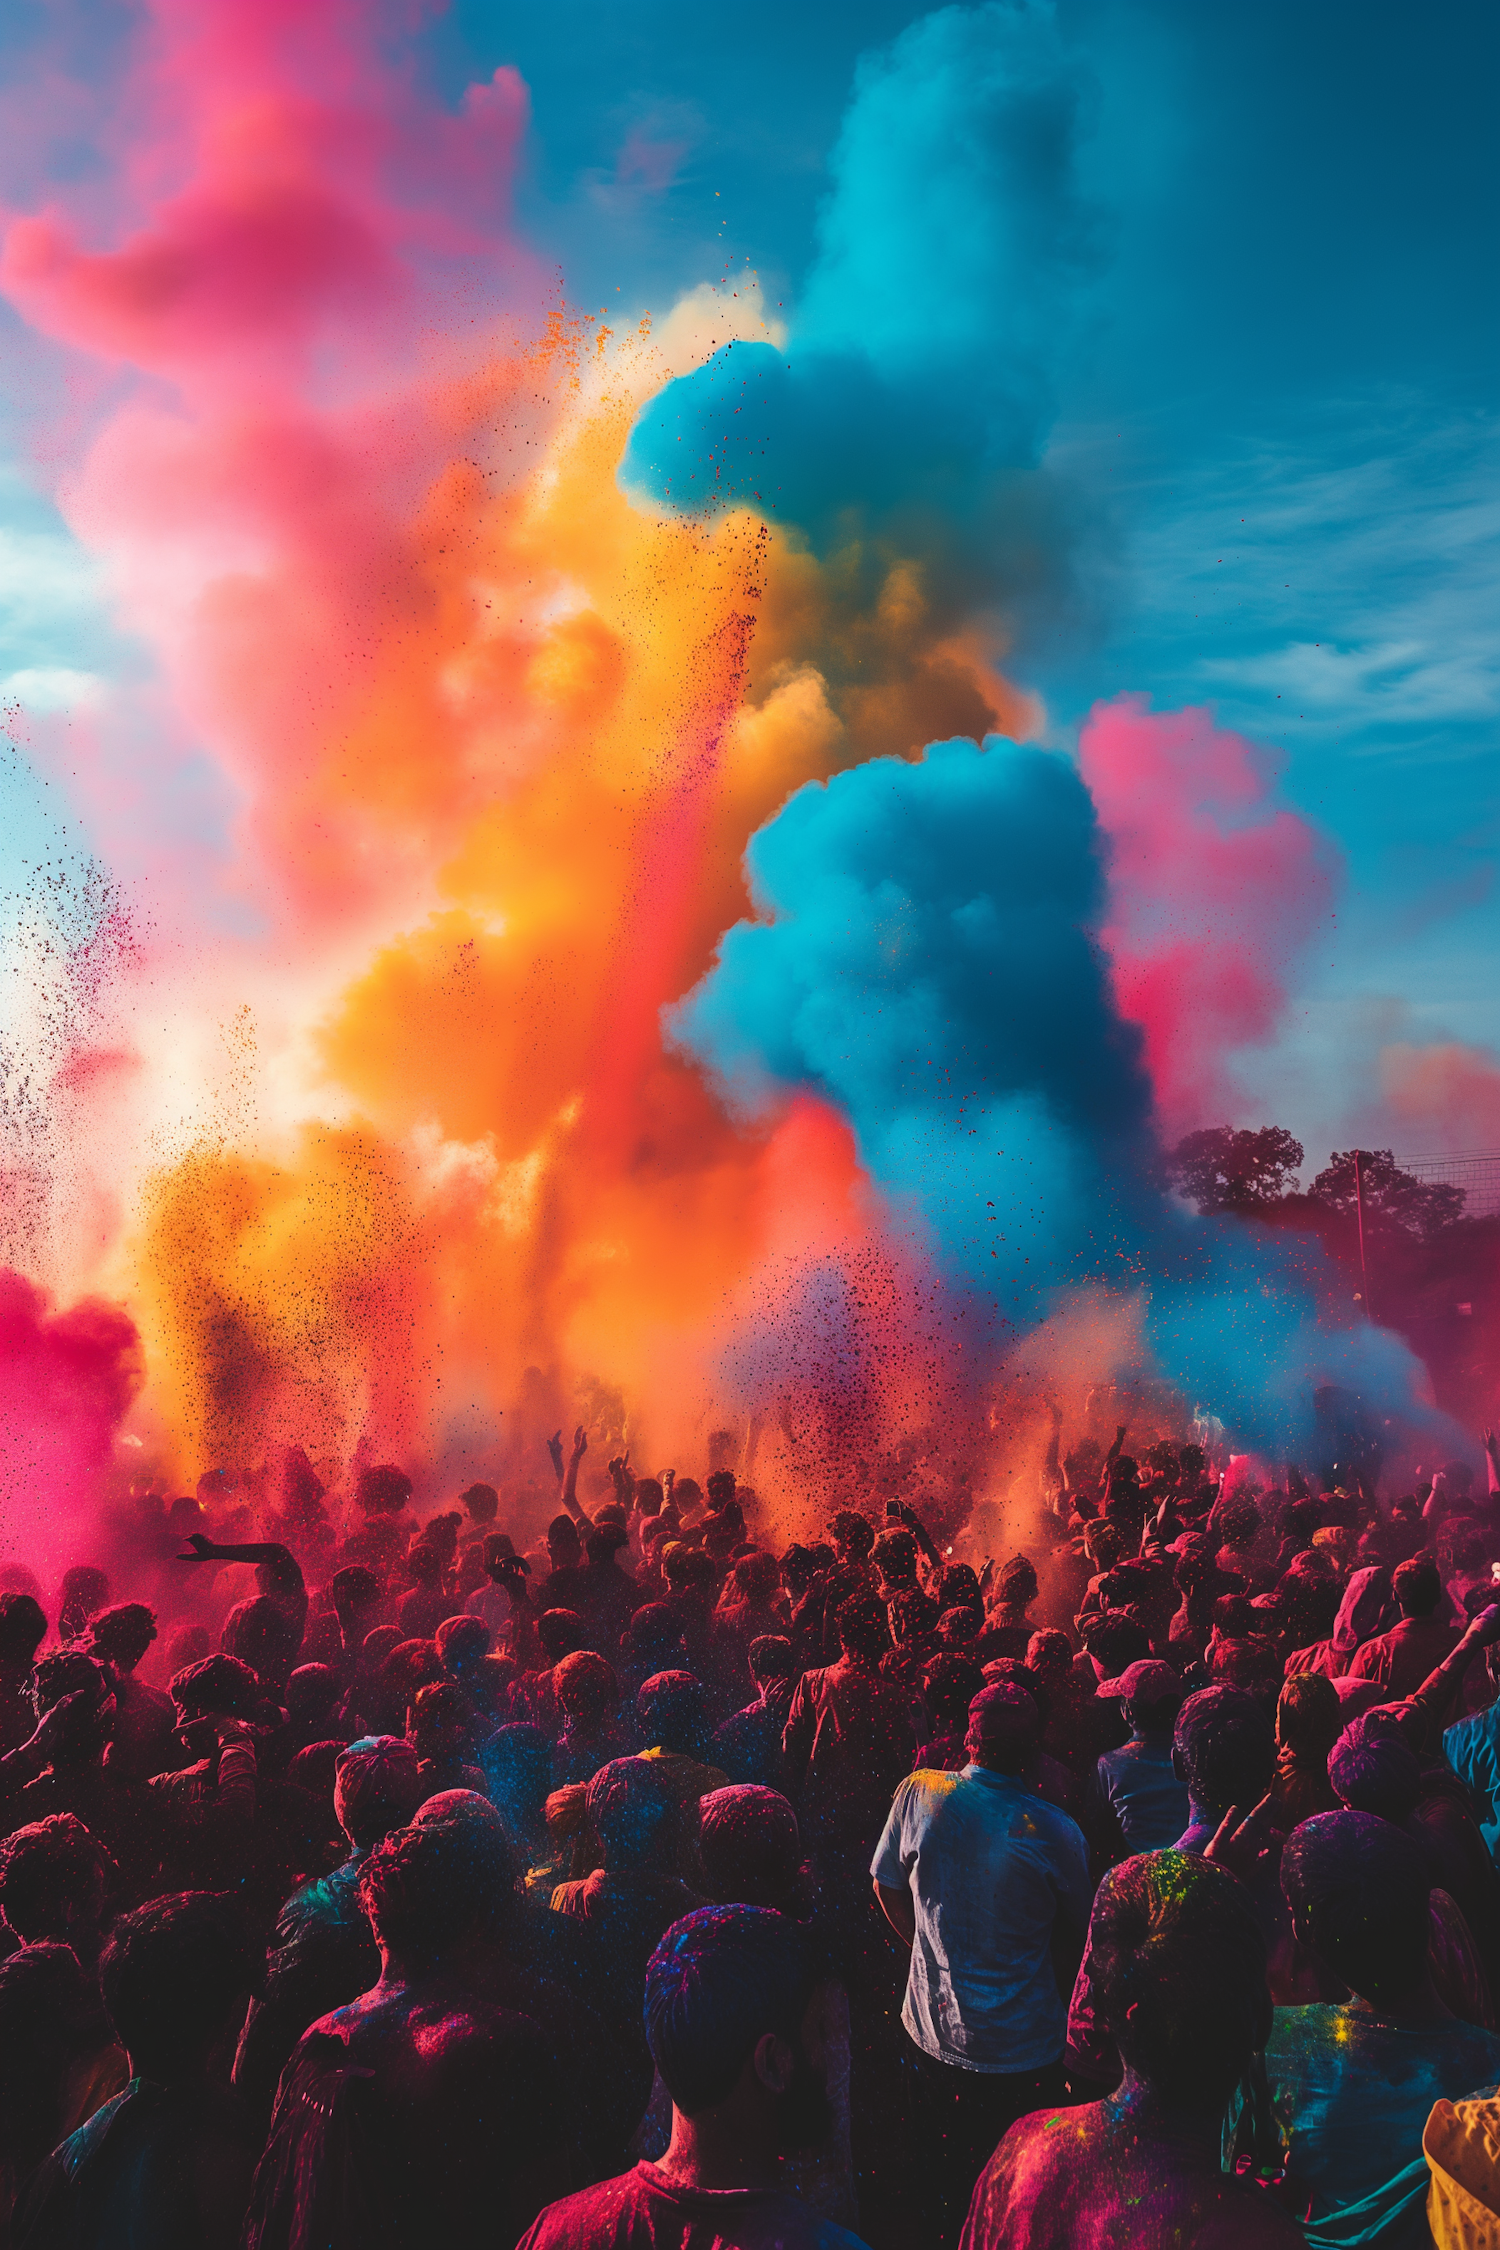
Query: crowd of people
370	1883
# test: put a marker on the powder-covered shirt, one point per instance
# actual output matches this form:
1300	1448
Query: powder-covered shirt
990	1866
1472	1749
1136	1801
1093	2179
1350	2094
1402	1658
646	2210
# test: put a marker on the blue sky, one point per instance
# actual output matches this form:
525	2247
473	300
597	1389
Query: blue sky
1275	426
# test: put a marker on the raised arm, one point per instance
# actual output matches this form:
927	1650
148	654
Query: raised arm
569	1493
1053	1469
1438	1689
1113	1455
921	1534
1437	1499
622	1480
1492	1461
32	1757
278	1573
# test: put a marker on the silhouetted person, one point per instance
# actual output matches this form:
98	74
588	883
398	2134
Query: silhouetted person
54	1879
593	1731
1401	1659
1351	2085
1137	1801
1180	1968
420	2114
84	1592
849	1737
747	1746
323	1953
144	1717
168	2162
23	1628
59	2061
637	1892
739	2023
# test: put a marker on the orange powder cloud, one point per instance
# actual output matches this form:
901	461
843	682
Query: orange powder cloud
497	736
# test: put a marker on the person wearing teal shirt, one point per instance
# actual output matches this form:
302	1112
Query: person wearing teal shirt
1348	2088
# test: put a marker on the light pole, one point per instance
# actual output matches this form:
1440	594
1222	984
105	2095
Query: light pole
1359	1212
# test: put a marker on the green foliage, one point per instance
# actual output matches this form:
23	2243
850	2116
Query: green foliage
1392	1199
1220	1169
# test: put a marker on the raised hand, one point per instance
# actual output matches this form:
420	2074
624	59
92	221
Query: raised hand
554	1447
1245	1846
201	1549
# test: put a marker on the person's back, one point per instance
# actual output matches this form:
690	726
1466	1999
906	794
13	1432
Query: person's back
747	1746
608	1596
738	2022
1374	1768
672	1725
454	2097
1405	1656
636	1894
166	2165
169	2161
849	1734
594	1729
59	2060
1350	2086
989	1868
1180	1965
144	1717
421	2112
1137	1802
324	1953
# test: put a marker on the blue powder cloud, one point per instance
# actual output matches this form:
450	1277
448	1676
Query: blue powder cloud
955	254
923	956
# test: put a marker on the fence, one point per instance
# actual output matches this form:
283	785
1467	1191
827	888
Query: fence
1476	1171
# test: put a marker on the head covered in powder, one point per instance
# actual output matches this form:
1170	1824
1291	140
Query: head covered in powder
1366	1607
1180	1970
1004	1729
1358	1892
728	1990
1224	1748
1373	1769
750	1847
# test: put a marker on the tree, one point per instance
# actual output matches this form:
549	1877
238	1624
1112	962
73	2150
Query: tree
1392	1198
1220	1169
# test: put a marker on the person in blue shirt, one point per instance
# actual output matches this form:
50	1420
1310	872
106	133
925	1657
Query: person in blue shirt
1472	1747
1137	1801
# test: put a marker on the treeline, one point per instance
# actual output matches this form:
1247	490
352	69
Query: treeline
1433	1272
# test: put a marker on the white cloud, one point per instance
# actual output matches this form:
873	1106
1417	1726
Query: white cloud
53	687
1360	594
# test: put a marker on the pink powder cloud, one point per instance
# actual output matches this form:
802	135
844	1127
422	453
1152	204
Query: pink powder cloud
307	294
66	1381
1215	891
